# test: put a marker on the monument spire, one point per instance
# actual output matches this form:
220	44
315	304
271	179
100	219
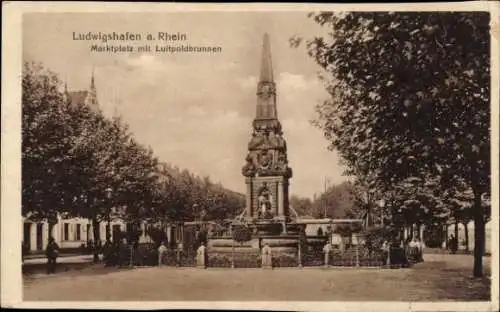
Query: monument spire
266	66
266	88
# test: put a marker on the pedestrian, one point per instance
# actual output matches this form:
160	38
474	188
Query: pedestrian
52	251
180	248
162	250
90	246
327	250
453	245
123	253
413	250
386	249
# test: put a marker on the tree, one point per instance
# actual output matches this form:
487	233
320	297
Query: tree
301	205
79	163
45	144
338	201
409	97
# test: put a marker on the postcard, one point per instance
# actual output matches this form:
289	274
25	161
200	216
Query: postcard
250	156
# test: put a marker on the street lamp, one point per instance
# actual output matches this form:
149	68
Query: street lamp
195	210
108	230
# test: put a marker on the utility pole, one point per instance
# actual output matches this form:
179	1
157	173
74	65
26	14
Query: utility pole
325	201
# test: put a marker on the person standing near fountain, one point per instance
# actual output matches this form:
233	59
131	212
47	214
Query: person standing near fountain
267	258
162	250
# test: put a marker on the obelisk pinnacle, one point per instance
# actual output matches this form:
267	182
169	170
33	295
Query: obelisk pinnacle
266	88
266	67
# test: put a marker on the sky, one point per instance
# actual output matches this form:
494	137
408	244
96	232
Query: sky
195	109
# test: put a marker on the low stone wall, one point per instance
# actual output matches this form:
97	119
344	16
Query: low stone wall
279	244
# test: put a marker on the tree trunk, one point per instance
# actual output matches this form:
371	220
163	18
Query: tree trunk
456	232
446	236
479	234
466	233
421	235
97	238
108	230
51	227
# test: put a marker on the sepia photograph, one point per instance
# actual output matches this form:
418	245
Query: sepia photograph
268	155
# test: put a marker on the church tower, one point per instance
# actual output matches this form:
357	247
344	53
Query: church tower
266	170
91	99
83	97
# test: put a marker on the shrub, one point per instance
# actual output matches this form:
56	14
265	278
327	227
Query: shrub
170	258
219	261
285	260
252	260
146	255
242	233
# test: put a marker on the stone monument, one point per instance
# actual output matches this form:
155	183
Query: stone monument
266	170
267	174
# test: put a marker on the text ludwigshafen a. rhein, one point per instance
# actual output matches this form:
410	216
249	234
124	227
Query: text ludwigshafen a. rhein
128	36
116	42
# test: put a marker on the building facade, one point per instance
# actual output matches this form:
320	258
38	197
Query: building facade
68	233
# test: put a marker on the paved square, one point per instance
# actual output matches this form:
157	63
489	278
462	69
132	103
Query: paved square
441	277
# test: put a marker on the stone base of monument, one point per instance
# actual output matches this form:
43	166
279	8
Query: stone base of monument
281	241
274	227
279	244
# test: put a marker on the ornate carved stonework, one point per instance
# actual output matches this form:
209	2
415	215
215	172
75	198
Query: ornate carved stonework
266	90
249	169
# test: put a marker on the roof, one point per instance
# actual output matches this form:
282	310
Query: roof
78	97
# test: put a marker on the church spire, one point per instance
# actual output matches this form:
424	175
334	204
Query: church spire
266	66
92	83
92	95
65	93
65	84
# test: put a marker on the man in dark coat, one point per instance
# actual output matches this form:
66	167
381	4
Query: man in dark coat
453	244
52	251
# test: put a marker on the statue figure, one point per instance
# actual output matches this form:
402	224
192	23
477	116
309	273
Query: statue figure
264	201
249	168
273	139
256	140
281	142
282	162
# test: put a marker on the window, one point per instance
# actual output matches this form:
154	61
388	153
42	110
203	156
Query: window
66	231
78	232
